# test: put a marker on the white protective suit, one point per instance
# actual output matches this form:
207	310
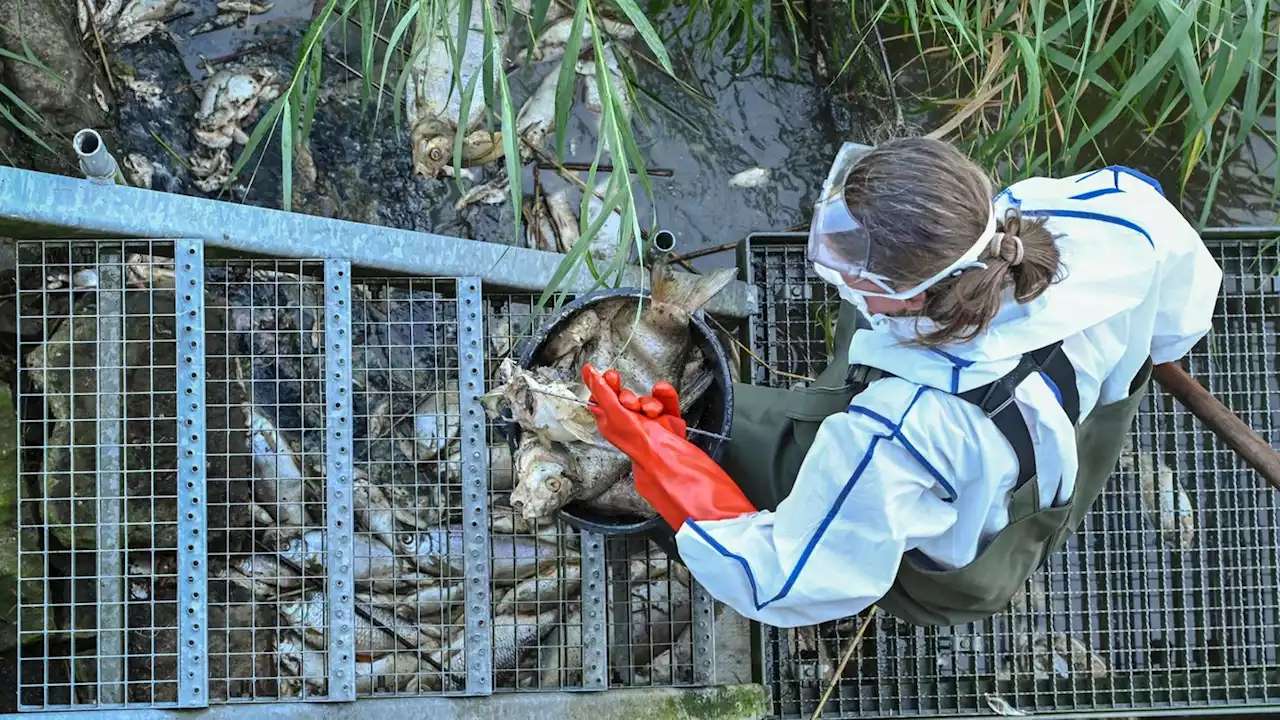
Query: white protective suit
910	466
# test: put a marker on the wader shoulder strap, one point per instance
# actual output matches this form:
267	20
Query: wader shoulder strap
996	398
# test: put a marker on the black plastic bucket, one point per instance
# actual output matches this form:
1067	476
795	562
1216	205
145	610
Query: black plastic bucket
716	406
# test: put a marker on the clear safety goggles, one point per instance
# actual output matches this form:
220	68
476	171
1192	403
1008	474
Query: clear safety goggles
841	245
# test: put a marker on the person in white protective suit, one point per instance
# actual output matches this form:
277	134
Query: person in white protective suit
961	433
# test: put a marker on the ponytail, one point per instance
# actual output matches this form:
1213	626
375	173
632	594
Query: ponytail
1022	254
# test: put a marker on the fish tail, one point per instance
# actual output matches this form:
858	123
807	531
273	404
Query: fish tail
686	290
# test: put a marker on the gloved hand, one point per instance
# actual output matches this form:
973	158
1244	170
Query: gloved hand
677	478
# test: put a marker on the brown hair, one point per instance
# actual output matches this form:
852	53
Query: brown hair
924	204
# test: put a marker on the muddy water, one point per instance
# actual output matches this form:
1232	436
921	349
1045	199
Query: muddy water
733	122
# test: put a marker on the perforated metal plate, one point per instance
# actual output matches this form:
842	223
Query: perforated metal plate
1127	618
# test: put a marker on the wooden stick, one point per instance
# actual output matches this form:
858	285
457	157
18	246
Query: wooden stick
586	167
848	653
705	251
1256	452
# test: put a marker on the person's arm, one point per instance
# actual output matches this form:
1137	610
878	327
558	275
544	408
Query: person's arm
833	546
1188	279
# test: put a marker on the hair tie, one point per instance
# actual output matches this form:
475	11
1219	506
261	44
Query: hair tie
996	248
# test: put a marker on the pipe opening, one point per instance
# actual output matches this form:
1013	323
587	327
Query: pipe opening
87	142
664	241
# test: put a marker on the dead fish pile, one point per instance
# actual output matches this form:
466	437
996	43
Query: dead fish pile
561	456
227	107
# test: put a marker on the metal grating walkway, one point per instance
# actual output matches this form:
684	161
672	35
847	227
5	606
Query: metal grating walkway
271	481
1132	617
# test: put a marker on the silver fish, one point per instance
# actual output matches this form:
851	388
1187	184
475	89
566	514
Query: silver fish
379	631
753	178
561	654
305	671
309	614
553	38
660	610
674	666
438	551
552	583
263	575
278	483
429	600
516	558
493	192
374	563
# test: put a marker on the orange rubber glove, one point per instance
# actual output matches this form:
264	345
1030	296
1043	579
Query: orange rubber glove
677	478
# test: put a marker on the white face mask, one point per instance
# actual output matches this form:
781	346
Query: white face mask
877	321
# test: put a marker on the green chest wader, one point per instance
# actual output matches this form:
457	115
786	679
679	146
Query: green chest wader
774	428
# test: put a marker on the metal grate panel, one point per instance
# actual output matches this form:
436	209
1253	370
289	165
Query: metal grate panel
1132	616
268	480
100	525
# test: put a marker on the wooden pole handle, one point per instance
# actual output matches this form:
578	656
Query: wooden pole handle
1256	452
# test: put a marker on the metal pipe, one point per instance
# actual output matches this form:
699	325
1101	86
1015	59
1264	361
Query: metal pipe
95	162
663	241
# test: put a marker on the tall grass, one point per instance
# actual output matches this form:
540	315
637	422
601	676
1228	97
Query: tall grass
1043	86
16	113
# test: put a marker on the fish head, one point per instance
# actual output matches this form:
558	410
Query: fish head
432	142
541	485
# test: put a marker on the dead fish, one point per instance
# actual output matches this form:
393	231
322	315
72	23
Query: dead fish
501	468
491	193
515	558
300	666
621	498
551	42
537	117
437	420
1167	505
539	403
563	220
278	482
429	600
1000	706
539	229
438	551
542	481
508	521
1081	659
380	631
242	6
660	610
671	666
552	583
263	575
561	654
374	563
1032	600
309	615
753	178
140	170
389	672
373	510
652	347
